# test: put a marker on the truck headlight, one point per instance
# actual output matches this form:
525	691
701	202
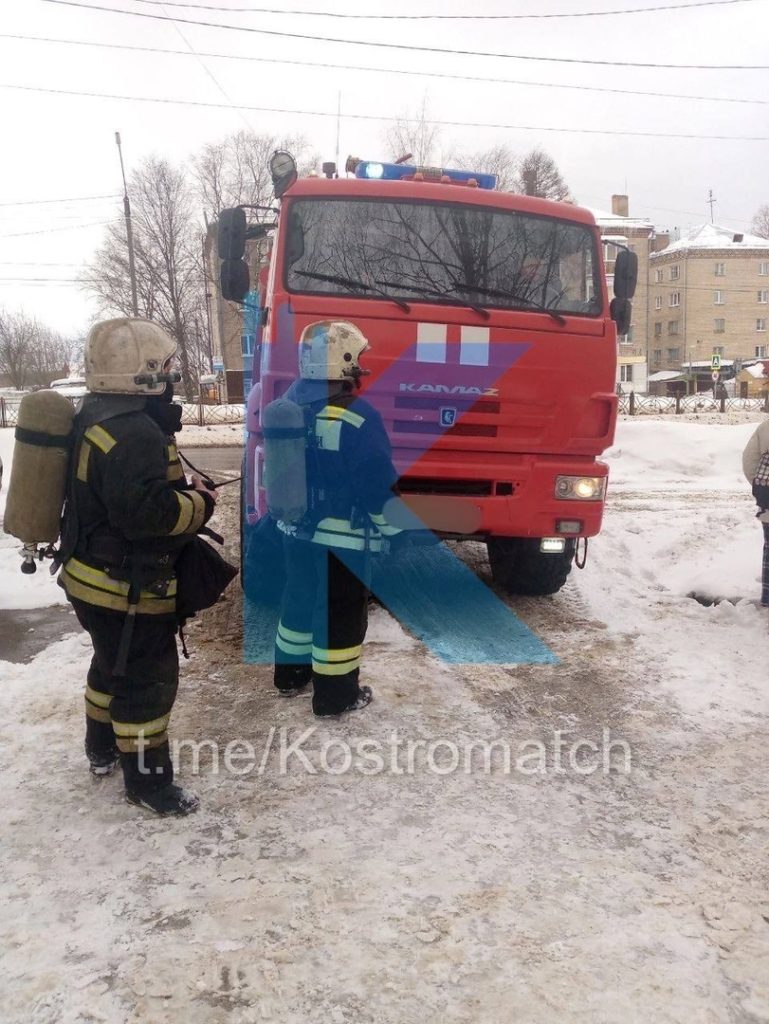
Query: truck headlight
580	488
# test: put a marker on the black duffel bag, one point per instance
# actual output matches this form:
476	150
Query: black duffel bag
202	576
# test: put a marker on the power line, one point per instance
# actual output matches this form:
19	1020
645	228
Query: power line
383	117
48	231
407	46
444	17
41	202
386	71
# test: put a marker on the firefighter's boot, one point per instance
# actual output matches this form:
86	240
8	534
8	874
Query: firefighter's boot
149	783
100	747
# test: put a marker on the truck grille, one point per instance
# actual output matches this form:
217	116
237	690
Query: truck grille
436	485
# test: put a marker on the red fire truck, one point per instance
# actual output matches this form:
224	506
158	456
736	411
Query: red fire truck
492	345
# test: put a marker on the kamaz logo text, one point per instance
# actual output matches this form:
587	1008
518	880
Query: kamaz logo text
449	389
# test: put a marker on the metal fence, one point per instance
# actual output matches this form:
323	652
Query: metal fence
192	413
632	405
208	415
640	405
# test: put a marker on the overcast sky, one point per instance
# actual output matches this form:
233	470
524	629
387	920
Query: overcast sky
60	146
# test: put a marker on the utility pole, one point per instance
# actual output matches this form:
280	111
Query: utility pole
128	231
711	202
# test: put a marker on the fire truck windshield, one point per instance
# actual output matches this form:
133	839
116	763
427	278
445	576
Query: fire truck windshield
441	253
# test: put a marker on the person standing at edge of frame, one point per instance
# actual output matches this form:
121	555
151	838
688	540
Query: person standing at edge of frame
350	479
129	514
755	465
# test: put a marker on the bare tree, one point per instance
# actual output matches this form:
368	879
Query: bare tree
538	175
415	134
236	170
761	221
31	353
499	160
169	269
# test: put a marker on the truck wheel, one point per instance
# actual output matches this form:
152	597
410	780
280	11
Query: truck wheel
519	567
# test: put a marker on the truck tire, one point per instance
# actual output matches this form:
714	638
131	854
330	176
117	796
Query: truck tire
519	567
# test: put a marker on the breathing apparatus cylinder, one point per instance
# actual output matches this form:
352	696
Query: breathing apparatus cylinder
39	470
285	460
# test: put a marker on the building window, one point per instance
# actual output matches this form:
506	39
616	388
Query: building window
763	295
720	270
657	355
658	329
247	343
658	302
675	272
719	325
672	327
760	351
673	355
658	276
718	350
761	324
718	297
763	268
626	373
674	299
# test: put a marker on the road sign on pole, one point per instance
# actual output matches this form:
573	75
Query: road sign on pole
715	362
716	376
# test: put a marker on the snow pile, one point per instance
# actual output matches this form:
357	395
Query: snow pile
677	566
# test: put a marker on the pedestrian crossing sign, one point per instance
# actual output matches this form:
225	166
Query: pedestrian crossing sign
715	362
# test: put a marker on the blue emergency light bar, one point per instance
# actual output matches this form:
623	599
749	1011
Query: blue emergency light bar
374	170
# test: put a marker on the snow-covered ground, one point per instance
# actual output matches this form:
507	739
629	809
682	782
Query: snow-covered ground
417	893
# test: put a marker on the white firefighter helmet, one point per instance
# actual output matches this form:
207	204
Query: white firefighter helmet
330	350
128	357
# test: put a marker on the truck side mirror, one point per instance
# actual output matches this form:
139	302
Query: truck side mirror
231	234
625	274
621	310
234	279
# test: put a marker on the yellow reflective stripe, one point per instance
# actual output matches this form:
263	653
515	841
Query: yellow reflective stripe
293	635
148	605
337	654
142	728
131	744
199	504
334	412
288	648
97	714
101	700
98	578
82	462
175	471
341	526
324	669
98	435
336	540
383	526
328	434
186	513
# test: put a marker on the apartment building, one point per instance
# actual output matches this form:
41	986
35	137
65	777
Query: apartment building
709	294
618	228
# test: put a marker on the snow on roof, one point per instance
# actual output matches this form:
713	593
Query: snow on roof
707	364
614	220
757	370
712	236
663	375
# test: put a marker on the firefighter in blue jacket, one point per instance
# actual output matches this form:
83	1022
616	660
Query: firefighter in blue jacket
351	479
129	513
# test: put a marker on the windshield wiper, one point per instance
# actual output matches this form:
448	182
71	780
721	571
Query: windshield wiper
480	310
349	282
502	293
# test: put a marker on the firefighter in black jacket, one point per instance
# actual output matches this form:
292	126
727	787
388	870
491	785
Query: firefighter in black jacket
323	617
129	513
